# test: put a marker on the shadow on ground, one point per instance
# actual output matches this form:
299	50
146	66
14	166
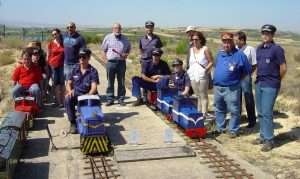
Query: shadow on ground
114	130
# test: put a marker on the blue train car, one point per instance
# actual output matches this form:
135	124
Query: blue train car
186	115
90	123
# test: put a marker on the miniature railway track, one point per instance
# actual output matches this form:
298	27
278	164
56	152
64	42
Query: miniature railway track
224	167
101	167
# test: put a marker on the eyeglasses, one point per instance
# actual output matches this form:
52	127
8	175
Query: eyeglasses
36	53
195	39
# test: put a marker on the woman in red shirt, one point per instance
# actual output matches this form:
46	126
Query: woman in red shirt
56	61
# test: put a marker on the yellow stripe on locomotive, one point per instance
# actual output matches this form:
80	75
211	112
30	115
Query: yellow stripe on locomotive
94	144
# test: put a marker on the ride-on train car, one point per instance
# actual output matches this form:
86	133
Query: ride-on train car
182	110
12	138
27	104
186	115
90	122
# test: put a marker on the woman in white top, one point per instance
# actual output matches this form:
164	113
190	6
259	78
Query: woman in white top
200	64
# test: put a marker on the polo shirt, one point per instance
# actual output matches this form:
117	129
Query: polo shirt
82	82
27	76
72	44
269	58
181	80
151	69
230	67
147	45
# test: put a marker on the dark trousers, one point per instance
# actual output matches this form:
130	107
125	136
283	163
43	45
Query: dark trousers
138	83
70	103
246	86
116	67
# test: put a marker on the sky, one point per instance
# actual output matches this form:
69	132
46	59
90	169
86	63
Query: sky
284	14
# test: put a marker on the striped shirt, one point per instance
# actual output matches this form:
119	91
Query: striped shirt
114	46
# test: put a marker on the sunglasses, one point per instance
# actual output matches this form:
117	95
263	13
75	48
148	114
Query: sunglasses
82	57
71	27
54	34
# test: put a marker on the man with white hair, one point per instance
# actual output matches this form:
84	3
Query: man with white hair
115	49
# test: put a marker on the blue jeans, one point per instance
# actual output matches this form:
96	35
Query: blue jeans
57	75
246	86
265	100
227	99
116	67
68	70
34	90
138	83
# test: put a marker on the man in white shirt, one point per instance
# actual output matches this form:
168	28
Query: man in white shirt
240	39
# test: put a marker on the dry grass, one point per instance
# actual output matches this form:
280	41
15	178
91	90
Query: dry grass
6	57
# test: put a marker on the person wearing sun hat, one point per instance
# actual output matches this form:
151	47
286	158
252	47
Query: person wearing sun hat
271	68
231	65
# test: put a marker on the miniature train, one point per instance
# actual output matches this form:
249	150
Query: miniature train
182	110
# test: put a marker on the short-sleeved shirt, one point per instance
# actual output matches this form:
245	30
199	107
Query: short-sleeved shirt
230	67
147	45
151	69
72	44
114	46
82	82
55	54
250	52
181	80
27	76
269	58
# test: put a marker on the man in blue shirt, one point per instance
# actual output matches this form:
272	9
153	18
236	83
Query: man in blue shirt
231	66
115	49
271	68
151	74
146	45
82	80
73	42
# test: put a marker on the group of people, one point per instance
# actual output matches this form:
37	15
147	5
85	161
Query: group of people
230	74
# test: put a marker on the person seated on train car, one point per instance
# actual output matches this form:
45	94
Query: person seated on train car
180	79
82	81
26	77
151	74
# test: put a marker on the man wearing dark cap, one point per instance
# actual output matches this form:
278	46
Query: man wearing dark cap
271	68
83	80
151	74
230	67
148	42
180	78
146	45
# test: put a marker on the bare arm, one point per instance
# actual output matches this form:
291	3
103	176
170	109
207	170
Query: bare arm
283	70
69	88
209	57
103	56
186	91
93	89
152	80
